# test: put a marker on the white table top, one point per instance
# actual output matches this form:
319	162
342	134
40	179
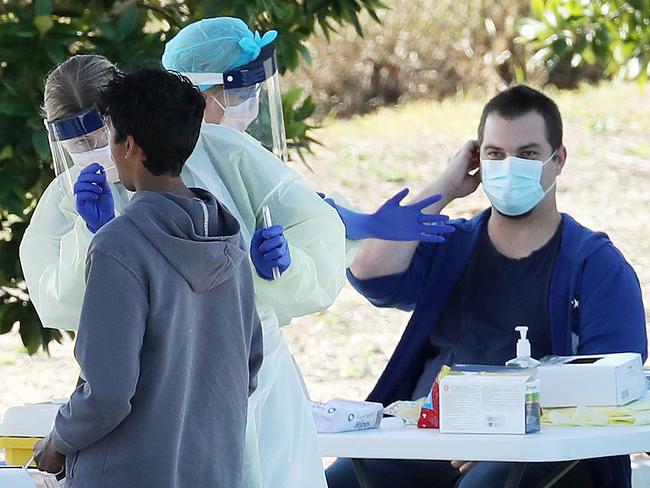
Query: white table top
551	444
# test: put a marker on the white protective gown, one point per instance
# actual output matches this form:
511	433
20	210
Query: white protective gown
281	447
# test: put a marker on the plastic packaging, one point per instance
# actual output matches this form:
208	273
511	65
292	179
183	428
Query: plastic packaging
635	413
340	415
407	410
430	411
45	480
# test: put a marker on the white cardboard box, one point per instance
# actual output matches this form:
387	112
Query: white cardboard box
594	380
487	404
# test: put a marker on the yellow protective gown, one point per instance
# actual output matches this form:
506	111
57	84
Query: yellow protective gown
281	447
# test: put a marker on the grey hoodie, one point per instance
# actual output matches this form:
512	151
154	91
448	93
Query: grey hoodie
169	344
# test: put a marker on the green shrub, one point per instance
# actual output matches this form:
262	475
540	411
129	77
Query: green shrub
37	35
610	36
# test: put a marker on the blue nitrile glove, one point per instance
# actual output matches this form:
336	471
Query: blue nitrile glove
269	249
93	197
393	222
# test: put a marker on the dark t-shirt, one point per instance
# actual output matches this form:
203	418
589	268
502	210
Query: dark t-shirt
494	294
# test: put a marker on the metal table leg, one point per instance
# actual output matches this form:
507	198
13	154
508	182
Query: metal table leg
557	475
517	471
361	470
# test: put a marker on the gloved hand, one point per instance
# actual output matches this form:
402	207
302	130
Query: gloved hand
269	249
393	222
93	197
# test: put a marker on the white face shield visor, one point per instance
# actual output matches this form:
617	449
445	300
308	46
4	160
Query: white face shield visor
252	100
76	142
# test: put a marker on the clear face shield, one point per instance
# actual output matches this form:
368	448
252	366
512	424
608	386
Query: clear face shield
76	142
251	100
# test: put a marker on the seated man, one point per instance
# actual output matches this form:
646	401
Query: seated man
519	262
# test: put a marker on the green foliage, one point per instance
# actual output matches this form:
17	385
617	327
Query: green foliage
36	35
296	113
611	34
295	20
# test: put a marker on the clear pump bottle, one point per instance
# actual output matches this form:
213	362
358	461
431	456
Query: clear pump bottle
523	359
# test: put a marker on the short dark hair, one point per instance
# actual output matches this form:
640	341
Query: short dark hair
520	100
161	110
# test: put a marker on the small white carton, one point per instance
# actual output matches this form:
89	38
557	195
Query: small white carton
489	404
597	380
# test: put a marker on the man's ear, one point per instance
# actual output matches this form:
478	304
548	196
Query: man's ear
561	159
133	150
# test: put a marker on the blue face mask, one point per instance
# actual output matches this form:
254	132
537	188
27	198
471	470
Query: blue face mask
513	184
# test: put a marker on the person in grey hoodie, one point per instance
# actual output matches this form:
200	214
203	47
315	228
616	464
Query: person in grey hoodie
169	341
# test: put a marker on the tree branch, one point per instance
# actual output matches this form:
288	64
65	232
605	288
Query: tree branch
162	11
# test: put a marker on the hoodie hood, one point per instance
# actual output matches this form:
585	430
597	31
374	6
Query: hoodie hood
176	226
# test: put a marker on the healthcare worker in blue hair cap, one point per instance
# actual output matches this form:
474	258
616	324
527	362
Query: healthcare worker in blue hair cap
281	448
236	69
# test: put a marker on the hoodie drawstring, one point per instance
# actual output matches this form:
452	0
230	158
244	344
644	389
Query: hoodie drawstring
206	217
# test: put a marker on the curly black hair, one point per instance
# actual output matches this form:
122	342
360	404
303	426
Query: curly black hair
161	110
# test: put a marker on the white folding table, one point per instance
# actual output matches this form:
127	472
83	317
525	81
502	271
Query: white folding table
553	444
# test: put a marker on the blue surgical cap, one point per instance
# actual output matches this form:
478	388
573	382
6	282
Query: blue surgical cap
214	46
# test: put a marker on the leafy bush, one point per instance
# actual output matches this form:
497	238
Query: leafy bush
37	35
611	35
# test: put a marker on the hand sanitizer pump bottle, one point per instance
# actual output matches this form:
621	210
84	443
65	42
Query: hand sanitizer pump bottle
523	359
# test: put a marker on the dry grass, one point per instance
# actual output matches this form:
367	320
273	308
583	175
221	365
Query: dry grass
606	186
422	49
